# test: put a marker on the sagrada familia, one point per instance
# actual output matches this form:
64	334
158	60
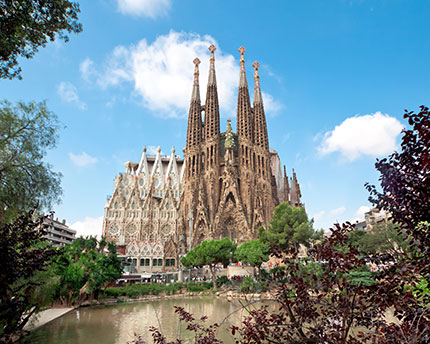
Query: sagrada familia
227	184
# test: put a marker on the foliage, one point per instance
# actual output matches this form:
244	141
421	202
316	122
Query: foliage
247	285
210	253
289	226
26	132
324	308
85	268
383	238
405	179
26	25
23	253
142	289
253	252
222	280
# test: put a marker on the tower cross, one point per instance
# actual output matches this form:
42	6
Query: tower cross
242	50
255	65
212	48
196	61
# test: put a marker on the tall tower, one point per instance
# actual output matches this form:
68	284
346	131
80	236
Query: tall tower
192	154
211	146
261	152
245	133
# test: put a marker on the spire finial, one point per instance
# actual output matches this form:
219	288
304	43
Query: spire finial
212	49
196	62
173	150
196	92
256	76
212	80
242	57
144	149
257	91
158	149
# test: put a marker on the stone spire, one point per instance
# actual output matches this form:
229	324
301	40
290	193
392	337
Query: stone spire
244	123
211	128
212	77
143	165
194	131
242	80
295	193
196	89
260	126
286	187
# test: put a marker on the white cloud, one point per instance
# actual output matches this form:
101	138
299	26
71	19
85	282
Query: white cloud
87	69
337	211
89	226
68	93
162	73
82	159
144	8
372	135
361	211
319	215
271	105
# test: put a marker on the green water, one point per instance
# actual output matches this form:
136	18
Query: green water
117	324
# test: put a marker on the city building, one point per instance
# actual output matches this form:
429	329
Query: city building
374	216
58	233
227	184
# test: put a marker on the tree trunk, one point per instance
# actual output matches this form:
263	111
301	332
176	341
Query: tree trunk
213	272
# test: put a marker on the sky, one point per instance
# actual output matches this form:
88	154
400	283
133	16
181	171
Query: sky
336	77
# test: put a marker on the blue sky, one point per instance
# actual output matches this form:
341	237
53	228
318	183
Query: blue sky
336	77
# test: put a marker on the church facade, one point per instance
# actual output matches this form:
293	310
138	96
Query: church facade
227	184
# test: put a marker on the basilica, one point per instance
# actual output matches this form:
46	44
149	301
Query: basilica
226	185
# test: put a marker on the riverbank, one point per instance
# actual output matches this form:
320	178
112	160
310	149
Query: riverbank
45	317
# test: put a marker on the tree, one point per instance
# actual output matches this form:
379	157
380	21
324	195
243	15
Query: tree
289	226
253	252
26	132
383	238
26	25
85	267
23	253
405	176
210	253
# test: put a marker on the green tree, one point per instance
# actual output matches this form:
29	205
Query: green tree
288	227
210	253
26	132
26	25
85	267
382	238
254	253
23	253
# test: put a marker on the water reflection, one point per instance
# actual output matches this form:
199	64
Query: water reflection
117	324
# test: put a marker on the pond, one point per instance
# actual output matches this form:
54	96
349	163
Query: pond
116	324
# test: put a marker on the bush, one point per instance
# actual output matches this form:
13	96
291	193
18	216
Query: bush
248	285
198	287
220	281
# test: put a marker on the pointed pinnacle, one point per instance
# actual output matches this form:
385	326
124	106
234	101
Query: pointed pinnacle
242	57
